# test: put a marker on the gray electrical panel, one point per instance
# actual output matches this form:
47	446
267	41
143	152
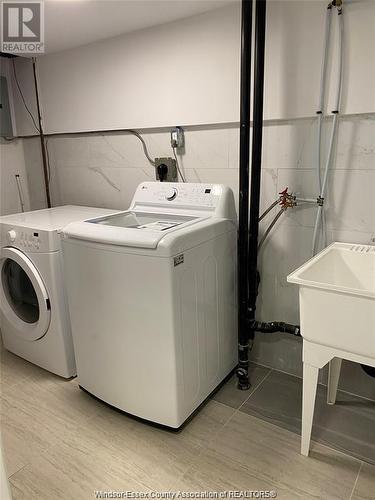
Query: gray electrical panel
6	129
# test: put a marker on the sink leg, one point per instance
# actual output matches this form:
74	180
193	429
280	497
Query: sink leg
333	379
310	381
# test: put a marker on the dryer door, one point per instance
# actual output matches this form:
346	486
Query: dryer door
24	299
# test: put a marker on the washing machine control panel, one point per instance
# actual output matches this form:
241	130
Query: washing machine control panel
205	196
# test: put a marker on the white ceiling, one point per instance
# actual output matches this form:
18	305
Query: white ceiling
71	23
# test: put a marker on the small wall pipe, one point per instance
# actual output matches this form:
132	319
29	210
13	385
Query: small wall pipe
20	192
307	200
42	139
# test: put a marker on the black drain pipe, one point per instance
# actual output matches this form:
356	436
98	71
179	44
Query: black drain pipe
256	158
243	215
249	272
248	276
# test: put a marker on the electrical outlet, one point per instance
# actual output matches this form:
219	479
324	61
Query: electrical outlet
166	170
177	138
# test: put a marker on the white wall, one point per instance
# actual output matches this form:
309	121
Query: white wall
23	124
184	72
187	72
294	45
12	160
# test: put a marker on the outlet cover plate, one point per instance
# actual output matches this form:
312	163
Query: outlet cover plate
172	169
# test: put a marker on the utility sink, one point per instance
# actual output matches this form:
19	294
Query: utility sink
337	298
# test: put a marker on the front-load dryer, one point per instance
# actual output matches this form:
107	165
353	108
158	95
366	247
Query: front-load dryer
33	308
152	298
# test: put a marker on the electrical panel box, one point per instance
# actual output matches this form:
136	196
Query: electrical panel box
6	128
166	170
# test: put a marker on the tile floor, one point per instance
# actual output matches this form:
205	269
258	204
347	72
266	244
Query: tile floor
348	426
61	443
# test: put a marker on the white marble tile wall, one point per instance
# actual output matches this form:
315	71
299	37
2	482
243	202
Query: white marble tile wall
105	170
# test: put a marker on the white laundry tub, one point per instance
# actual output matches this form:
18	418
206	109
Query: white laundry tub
337	298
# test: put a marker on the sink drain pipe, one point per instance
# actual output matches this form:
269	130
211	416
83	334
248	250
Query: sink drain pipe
248	276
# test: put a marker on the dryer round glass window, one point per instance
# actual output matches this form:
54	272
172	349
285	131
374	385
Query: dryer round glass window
20	292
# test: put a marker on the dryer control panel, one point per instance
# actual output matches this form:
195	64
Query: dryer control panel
213	198
24	239
29	240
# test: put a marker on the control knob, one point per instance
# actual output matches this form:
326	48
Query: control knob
171	194
12	235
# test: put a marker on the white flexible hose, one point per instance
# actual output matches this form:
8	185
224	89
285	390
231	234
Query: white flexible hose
341	58
327	34
323	185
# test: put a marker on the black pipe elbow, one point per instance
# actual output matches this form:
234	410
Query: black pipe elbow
276	326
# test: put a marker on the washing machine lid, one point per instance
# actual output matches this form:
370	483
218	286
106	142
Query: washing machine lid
130	228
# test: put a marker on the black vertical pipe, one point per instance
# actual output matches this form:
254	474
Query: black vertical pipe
256	159
42	138
243	222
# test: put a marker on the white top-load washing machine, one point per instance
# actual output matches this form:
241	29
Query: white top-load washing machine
152	298
34	315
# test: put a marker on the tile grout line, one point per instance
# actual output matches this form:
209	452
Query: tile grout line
319	383
351	393
356	481
237	410
256	388
336	450
211	439
19	470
